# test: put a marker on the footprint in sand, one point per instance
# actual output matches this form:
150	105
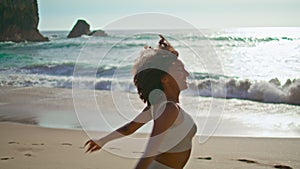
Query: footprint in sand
255	162
247	161
282	166
204	158
6	158
38	144
13	142
28	155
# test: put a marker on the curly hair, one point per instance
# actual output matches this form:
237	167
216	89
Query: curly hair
149	69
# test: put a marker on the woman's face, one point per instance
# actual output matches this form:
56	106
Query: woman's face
179	74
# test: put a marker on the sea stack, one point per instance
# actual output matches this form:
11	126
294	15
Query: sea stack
19	21
99	33
80	28
83	28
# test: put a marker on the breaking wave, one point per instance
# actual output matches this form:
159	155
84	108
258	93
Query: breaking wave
202	85
263	91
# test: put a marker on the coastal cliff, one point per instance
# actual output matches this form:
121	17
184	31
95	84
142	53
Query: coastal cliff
19	21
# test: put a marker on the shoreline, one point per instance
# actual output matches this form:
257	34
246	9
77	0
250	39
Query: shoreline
36	147
145	133
63	108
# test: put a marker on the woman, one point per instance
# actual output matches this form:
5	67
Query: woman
159	77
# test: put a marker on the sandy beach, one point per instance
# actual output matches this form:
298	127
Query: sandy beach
26	146
35	144
68	80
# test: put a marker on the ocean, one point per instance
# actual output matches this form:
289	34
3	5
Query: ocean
252	72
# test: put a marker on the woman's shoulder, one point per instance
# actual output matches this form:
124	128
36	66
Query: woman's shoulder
171	106
167	109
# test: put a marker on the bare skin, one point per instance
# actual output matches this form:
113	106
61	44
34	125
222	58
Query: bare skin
173	84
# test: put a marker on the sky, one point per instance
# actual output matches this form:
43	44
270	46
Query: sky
63	14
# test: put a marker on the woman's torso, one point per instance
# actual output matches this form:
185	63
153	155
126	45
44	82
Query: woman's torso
176	148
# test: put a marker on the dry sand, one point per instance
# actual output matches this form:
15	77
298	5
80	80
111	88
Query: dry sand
26	146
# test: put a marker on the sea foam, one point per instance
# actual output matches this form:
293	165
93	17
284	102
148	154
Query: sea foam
263	91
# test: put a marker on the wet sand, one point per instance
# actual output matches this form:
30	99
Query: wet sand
34	145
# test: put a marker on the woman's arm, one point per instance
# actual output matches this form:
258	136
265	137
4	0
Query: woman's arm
127	129
161	124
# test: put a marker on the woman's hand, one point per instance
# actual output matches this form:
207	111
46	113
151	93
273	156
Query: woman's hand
92	146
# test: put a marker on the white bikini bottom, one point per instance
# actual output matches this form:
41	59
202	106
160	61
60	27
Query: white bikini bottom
158	165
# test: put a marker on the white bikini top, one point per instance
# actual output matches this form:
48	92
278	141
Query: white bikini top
178	138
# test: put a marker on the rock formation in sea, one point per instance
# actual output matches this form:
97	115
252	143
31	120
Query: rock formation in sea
80	28
99	33
83	28
19	21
